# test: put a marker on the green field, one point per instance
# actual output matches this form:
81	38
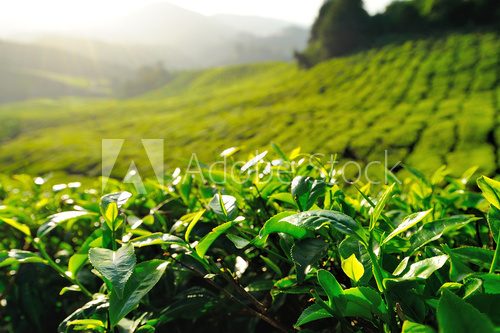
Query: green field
428	102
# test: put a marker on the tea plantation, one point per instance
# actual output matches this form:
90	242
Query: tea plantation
429	102
283	243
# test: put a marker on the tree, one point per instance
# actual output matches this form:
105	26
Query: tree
341	27
344	28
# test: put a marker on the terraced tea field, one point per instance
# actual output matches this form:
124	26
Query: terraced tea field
428	102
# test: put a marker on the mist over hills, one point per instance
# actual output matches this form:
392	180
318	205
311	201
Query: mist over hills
91	61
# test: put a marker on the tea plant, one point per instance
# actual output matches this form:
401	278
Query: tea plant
280	246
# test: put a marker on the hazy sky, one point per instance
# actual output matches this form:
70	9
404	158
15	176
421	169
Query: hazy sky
68	14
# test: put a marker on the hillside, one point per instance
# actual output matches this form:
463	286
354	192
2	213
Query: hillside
182	39
31	71
427	102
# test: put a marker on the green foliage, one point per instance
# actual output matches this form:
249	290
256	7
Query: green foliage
416	99
410	256
343	26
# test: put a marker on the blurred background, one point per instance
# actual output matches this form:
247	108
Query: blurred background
419	78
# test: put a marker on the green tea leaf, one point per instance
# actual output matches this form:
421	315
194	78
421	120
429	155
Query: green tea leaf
86	311
196	217
272	265
207	241
59	218
434	230
491	190
302	225
353	268
306	253
110	204
86	324
143	279
78	259
364	302
10	257
455	315
115	266
306	190
332	288
411	327
377	211
312	313
224	206
16	225
157	238
406	224
239	242
352	246
424	268
494	223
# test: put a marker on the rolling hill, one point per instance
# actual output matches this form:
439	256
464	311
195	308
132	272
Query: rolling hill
182	39
30	71
427	101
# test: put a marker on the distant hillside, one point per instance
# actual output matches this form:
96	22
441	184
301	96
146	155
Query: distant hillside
30	71
184	39
427	102
258	26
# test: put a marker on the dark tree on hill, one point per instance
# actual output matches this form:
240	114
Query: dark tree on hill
345	27
341	27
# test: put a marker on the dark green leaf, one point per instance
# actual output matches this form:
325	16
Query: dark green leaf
142	280
434	230
455	315
306	253
306	190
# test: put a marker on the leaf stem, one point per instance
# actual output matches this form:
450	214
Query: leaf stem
40	246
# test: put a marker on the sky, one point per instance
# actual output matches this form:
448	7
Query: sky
69	14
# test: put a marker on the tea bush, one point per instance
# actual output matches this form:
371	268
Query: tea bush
282	244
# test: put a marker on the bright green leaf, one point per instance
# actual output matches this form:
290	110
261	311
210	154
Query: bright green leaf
207	241
58	219
377	211
491	190
303	224
353	268
157	238
16	225
406	224
424	268
411	327
312	313
196	217
115	266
